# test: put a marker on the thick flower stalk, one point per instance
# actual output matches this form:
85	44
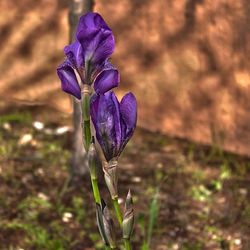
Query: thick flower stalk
87	64
88	75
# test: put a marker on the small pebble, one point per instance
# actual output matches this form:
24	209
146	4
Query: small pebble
48	131
243	191
222	200
62	130
159	165
120	201
43	196
38	125
136	179
25	139
26	178
40	171
67	217
237	242
34	143
175	246
214	237
7	126
172	233
191	228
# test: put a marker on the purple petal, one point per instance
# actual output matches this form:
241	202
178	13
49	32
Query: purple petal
96	38
98	45
104	110
75	55
99	68
105	47
128	109
104	124
117	120
91	21
106	80
68	79
94	106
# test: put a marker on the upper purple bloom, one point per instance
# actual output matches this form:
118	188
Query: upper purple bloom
106	79
114	122
68	79
87	57
96	39
74	54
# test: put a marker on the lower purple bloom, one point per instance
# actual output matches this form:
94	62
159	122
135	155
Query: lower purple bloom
114	122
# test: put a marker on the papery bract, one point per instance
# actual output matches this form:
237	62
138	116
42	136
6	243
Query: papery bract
114	122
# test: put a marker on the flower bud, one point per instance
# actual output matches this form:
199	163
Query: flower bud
110	176
92	159
109	227
128	219
114	122
105	225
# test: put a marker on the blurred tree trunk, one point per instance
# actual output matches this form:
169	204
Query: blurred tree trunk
79	157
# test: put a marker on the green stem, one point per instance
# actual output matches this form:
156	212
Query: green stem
127	244
117	210
96	191
86	134
86	115
107	247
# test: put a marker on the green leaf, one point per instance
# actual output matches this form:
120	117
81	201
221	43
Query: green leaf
153	214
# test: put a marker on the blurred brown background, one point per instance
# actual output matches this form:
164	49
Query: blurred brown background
187	61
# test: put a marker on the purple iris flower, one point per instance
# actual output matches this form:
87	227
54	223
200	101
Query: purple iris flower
87	58
114	122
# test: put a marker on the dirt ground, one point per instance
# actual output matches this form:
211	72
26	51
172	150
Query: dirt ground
188	58
203	192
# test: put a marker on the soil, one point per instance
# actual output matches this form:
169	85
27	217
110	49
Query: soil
202	192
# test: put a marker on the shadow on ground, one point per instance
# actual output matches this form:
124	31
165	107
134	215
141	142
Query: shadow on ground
203	191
